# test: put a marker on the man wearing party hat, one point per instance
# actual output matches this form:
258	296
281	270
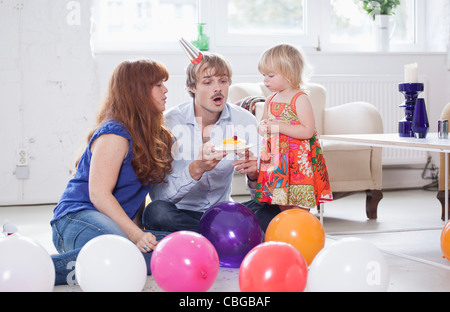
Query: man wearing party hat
202	173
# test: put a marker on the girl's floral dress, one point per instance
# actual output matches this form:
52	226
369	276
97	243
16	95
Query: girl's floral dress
292	171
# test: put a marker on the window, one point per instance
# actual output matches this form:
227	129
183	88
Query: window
128	24
336	24
267	16
264	22
350	25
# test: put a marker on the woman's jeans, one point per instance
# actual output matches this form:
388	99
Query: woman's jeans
73	231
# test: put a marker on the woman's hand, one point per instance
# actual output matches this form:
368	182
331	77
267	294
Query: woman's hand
145	241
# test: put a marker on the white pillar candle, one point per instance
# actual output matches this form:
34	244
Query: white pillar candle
411	73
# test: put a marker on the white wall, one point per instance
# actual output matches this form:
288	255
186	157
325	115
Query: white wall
50	86
49	90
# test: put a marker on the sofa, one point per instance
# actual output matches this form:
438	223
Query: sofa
351	168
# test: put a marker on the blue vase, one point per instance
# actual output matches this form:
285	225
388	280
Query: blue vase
420	123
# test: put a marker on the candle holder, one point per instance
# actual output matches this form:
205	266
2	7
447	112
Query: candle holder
411	91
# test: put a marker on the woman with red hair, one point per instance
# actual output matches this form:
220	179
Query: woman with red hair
127	152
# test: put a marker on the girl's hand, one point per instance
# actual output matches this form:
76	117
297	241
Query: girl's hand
146	242
273	126
262	128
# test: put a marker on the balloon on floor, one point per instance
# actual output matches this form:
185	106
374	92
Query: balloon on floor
349	265
25	266
233	229
273	267
110	263
299	228
184	261
445	241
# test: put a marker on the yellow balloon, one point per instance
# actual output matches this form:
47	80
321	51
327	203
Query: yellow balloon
445	241
299	228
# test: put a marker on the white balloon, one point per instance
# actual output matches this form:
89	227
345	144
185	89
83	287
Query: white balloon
349	265
25	266
110	263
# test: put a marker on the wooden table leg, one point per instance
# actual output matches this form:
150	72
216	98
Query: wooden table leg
373	197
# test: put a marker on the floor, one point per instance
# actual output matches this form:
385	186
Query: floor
408	226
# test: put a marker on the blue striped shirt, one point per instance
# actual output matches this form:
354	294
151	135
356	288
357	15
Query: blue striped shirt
214	186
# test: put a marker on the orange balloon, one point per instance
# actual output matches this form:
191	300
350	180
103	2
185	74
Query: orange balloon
299	228
445	241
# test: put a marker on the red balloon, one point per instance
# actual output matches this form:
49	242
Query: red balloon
273	267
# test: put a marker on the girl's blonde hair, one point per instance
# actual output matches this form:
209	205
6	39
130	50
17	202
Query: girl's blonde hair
285	60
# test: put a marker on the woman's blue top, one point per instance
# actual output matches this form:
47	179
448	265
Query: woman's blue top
129	191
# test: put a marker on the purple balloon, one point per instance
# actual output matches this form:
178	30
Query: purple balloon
233	229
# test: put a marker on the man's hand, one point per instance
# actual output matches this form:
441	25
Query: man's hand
207	160
247	164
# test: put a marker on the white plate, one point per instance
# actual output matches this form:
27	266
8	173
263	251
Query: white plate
222	148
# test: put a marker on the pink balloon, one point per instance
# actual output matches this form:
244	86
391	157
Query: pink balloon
185	261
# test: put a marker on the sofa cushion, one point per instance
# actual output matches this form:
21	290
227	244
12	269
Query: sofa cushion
250	102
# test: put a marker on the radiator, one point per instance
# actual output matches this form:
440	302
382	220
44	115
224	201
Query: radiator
381	91
177	91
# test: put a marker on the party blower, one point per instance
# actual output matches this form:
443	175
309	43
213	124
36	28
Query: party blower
192	52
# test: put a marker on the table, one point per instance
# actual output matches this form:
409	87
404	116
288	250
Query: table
431	143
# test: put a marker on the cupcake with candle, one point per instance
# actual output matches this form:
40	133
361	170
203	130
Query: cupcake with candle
234	143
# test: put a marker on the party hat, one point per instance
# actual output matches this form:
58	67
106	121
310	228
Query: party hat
192	52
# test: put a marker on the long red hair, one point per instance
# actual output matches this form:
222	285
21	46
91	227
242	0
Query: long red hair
129	101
